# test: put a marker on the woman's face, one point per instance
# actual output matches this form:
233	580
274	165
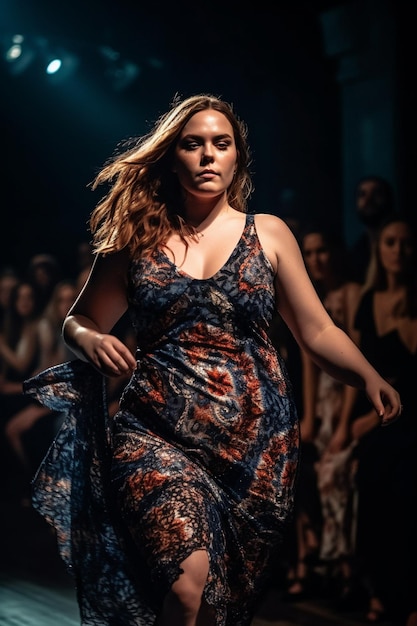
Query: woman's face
371	202
25	300
316	255
7	284
65	298
205	156
396	247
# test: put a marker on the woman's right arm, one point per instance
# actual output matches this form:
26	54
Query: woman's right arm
101	303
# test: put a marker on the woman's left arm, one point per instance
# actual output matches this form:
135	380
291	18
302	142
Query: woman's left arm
300	307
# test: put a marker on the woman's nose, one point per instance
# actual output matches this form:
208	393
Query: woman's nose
207	156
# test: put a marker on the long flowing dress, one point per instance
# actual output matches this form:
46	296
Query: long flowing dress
202	454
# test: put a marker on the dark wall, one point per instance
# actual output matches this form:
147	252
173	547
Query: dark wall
268	61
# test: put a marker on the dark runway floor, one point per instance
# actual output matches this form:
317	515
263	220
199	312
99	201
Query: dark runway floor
35	589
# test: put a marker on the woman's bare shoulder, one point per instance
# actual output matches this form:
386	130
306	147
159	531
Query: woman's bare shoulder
268	220
276	237
273	230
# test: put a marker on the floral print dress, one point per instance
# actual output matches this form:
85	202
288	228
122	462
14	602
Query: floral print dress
202	454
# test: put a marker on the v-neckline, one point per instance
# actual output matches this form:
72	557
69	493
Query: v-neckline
213	276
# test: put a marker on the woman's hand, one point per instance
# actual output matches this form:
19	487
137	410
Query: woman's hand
90	320
384	398
107	353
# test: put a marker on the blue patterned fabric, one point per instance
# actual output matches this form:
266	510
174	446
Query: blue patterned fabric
201	455
71	490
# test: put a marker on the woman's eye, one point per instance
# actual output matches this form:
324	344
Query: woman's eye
191	145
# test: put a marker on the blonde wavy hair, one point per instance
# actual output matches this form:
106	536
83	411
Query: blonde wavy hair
144	203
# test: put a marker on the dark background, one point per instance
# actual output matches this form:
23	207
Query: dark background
269	60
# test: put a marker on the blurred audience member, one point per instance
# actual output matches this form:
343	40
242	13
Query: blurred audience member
19	352
52	351
9	278
387	470
326	471
374	200
44	272
19	341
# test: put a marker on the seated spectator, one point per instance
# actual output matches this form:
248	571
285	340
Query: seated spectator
43	272
52	351
19	354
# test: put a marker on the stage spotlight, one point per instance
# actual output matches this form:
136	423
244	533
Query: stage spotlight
59	65
53	66
18	52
